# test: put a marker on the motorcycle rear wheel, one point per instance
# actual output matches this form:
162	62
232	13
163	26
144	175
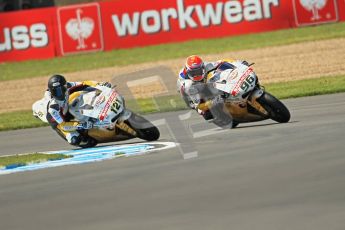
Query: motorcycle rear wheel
276	109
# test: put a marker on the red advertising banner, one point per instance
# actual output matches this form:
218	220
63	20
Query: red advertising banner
107	25
27	35
80	28
312	12
138	23
341	8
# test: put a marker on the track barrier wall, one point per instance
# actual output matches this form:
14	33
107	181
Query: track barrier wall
107	25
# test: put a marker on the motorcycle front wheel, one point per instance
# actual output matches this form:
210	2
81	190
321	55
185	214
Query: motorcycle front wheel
148	134
276	109
145	130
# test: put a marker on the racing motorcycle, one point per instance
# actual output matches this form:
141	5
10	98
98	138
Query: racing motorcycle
105	107
245	100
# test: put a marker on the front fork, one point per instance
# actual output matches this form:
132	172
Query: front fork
252	100
125	127
120	123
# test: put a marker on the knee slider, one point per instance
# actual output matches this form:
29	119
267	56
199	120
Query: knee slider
75	140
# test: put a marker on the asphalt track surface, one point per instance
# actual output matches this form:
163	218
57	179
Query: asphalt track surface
261	175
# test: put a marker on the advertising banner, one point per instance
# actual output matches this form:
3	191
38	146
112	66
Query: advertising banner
107	25
27	35
155	21
341	8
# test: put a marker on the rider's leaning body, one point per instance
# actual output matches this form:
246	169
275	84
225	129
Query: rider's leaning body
191	84
57	109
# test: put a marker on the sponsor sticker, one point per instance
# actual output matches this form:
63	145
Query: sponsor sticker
57	117
107	106
240	82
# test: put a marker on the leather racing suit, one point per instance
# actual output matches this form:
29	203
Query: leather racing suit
197	94
59	117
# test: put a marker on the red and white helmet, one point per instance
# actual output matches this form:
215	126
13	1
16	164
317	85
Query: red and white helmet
195	68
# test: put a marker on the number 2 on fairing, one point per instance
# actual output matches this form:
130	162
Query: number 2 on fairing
116	106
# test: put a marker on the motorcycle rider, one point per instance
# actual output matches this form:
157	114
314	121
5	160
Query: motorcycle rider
193	87
57	115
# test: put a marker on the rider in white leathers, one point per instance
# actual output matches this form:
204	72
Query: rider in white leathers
196	92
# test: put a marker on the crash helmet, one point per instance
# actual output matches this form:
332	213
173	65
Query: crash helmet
195	68
57	86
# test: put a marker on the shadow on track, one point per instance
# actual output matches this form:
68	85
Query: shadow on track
251	124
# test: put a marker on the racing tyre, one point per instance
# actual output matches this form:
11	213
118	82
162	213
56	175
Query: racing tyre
148	134
144	128
276	109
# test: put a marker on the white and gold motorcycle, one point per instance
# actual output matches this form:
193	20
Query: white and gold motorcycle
245	100
112	121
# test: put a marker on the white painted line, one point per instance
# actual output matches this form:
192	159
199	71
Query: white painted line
190	155
209	132
81	156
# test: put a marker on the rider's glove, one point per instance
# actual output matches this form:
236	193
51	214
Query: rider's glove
106	84
210	103
85	125
204	106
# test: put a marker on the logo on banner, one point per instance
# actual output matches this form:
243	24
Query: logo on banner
22	37
310	12
80	28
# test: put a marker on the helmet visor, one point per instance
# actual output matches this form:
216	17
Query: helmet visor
59	92
196	74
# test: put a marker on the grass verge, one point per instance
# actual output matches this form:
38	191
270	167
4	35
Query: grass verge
309	87
24	159
19	120
293	89
122	57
